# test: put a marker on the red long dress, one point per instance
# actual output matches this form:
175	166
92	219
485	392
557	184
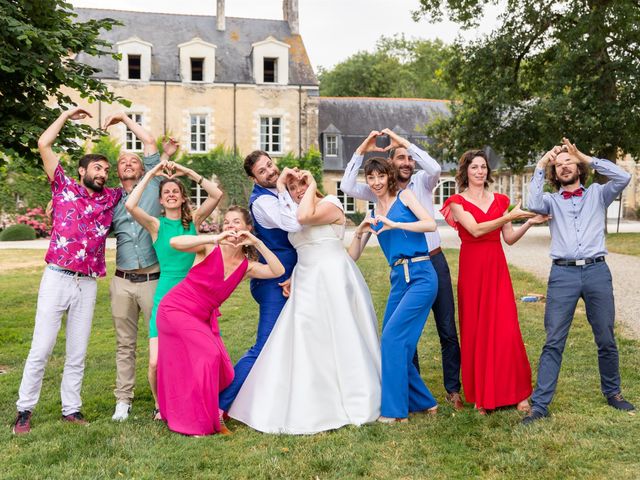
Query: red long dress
193	364
495	367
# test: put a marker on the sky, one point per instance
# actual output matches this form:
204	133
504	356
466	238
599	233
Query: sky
332	30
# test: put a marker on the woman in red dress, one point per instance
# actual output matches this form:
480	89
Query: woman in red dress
495	367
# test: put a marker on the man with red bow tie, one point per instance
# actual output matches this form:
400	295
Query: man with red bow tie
579	270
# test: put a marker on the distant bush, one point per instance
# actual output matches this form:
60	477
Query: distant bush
17	232
356	217
37	219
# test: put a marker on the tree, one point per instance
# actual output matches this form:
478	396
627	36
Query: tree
397	68
40	40
552	69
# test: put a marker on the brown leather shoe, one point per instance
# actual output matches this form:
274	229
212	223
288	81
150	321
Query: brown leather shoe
455	400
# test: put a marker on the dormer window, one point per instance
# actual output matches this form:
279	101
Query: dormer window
271	61
135	60
134	67
197	69
270	70
197	61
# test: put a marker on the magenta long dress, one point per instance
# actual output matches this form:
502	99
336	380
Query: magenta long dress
193	364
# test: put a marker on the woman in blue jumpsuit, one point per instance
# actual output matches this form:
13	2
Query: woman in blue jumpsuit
400	222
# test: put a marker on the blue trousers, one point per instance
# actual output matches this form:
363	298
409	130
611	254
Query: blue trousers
403	390
593	284
271	301
444	316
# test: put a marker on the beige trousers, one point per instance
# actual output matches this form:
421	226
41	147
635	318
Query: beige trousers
127	300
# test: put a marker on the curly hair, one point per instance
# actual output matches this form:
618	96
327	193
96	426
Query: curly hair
551	176
249	250
185	210
383	166
462	175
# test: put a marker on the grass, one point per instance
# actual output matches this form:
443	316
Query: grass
627	243
584	438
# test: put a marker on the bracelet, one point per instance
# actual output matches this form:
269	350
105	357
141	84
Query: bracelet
199	182
358	236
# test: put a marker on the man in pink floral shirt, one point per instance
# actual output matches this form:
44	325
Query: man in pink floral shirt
82	214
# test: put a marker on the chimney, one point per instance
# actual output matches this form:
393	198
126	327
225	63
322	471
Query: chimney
290	13
220	16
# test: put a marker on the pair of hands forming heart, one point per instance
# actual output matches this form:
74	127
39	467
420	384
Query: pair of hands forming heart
169	169
575	156
376	225
235	238
369	143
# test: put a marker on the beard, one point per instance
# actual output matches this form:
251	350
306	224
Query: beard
403	177
569	181
90	183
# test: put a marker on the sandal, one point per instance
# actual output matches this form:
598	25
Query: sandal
390	420
156	415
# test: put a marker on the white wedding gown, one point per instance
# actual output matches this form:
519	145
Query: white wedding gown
320	367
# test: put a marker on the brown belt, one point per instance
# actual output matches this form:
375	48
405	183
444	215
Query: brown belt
138	277
435	251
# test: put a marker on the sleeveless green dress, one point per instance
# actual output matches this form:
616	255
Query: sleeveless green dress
174	264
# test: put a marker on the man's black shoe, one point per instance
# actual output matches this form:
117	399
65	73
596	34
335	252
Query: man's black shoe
618	401
533	416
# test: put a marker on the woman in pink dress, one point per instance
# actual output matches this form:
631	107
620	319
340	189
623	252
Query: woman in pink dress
193	364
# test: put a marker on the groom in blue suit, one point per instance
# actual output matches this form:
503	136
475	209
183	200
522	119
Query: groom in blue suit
271	224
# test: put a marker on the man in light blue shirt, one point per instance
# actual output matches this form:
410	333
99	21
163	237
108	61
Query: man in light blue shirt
579	270
404	156
137	271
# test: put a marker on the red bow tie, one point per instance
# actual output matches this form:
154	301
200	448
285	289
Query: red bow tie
576	193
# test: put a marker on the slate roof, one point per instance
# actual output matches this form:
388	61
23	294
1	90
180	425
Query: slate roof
166	31
354	117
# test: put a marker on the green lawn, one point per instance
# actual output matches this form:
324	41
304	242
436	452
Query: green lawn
627	243
584	438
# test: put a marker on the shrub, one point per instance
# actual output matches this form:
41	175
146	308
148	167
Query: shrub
356	217
37	219
17	232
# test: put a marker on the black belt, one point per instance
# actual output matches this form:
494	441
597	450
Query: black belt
65	271
138	277
579	262
435	251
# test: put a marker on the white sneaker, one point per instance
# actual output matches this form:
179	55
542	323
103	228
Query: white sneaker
122	412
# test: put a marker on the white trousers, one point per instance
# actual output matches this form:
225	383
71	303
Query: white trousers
59	293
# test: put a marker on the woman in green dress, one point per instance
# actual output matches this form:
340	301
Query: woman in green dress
177	220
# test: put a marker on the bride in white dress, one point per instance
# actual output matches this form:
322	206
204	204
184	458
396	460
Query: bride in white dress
320	367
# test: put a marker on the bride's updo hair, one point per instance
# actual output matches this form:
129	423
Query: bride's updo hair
249	250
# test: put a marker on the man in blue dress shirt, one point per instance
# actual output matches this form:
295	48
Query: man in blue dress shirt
579	270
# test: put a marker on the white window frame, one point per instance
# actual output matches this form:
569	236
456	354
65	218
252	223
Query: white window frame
200	130
134	46
198	195
348	203
267	140
512	185
131	142
197	48
271	48
330	139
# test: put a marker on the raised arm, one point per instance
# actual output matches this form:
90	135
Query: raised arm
50	160
272	269
618	178
150	223
476	229
213	192
148	141
198	243
349	183
312	213
424	224
429	166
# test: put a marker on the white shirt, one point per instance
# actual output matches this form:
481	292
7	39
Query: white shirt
280	212
421	184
